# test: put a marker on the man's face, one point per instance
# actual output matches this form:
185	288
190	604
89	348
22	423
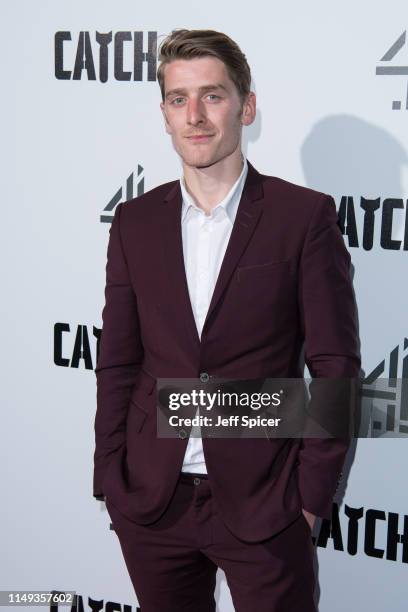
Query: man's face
201	100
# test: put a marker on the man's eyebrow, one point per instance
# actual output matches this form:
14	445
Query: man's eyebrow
203	88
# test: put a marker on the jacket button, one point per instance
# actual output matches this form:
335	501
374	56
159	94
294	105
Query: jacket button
204	377
182	433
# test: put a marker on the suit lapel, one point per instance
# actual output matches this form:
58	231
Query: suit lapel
248	214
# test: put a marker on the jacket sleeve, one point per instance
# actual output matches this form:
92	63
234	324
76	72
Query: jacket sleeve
119	359
329	320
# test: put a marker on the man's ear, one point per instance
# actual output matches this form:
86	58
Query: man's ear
166	123
249	109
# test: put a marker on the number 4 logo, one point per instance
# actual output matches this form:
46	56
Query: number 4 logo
387	69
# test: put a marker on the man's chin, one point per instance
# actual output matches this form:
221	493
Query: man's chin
199	162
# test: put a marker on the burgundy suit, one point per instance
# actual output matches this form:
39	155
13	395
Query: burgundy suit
284	283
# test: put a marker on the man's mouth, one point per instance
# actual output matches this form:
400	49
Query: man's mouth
200	137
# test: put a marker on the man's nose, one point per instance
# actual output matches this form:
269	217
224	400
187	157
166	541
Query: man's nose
195	112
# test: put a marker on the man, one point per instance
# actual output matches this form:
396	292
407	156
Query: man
225	273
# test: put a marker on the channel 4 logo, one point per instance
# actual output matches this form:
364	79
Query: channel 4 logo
389	68
385	396
134	187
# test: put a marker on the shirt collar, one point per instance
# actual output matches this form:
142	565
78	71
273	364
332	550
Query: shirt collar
229	203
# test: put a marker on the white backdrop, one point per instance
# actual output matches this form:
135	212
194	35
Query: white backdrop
325	119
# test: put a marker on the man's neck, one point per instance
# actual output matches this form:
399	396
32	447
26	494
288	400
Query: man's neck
209	186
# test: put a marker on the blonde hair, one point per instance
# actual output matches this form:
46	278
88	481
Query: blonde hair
188	44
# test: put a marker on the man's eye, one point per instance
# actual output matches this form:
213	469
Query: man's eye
176	101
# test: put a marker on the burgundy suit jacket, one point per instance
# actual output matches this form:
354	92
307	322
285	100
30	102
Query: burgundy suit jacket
283	286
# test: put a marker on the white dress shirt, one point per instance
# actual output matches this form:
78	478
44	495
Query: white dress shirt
205	239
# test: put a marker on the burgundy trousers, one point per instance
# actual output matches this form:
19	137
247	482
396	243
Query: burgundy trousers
173	563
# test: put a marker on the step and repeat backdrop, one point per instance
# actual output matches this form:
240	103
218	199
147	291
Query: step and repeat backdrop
82	131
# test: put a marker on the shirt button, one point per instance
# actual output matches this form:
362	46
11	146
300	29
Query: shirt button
204	377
